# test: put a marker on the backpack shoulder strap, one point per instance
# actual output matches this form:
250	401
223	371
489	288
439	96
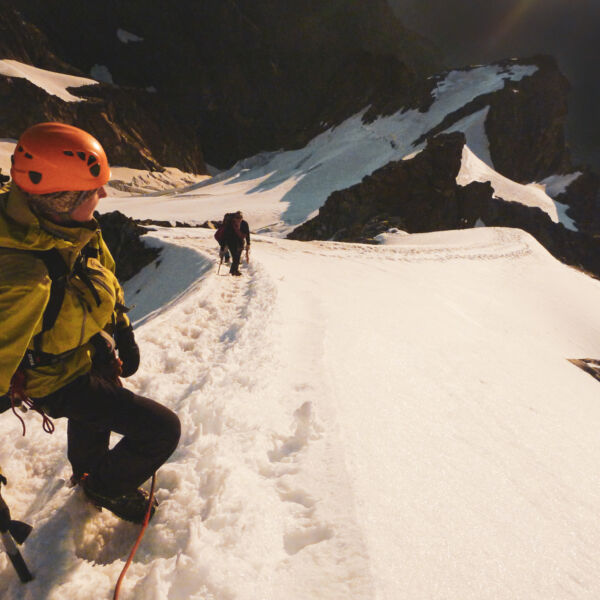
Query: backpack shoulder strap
57	271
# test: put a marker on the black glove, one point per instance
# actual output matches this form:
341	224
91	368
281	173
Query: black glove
4	403
128	350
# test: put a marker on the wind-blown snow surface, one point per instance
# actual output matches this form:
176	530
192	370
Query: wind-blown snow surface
365	422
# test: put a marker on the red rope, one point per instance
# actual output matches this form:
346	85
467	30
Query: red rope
139	539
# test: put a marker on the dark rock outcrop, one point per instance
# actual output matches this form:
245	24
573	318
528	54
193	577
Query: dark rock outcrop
524	124
583	198
134	125
421	195
122	236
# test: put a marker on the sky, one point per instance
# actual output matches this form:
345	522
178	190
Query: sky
359	421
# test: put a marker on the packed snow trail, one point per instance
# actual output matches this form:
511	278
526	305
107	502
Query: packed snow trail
364	422
470	439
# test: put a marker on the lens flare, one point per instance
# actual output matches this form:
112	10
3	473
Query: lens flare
512	18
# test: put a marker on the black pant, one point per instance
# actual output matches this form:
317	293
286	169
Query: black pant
95	407
236	256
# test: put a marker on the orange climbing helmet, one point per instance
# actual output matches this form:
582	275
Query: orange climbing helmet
56	157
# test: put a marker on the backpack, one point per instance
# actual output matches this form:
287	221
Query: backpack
220	234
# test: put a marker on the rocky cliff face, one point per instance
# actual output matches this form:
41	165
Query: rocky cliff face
123	236
238	77
421	195
532	112
524	123
241	76
135	128
583	198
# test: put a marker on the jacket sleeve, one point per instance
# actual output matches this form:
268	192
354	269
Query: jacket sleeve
108	261
246	231
22	305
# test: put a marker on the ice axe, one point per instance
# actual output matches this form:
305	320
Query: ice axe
13	531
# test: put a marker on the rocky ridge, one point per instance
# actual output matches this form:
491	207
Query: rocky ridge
421	194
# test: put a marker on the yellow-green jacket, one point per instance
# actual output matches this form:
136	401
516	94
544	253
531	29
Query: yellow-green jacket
25	291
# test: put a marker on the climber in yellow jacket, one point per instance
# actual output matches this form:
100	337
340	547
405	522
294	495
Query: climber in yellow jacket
65	338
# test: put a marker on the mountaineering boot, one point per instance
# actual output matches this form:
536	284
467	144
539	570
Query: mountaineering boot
75	480
129	507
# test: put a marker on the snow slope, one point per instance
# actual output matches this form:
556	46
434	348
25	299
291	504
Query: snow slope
365	422
279	190
55	84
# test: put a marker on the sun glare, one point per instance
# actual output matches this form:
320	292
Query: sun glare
511	20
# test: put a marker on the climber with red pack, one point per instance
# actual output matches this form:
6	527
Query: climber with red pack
66	340
233	233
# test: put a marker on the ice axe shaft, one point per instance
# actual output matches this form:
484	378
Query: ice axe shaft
11	531
15	557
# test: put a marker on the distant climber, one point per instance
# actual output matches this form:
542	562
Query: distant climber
64	321
233	234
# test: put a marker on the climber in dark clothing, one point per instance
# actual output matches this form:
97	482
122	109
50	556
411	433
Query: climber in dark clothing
235	234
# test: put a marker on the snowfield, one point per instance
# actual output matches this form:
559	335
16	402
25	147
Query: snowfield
395	421
360	422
